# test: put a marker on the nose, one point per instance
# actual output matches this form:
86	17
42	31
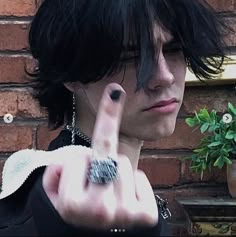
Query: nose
162	77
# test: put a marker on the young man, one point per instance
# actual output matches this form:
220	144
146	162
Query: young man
113	73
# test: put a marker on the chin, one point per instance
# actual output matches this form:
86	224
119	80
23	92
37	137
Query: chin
168	132
158	132
155	135
152	131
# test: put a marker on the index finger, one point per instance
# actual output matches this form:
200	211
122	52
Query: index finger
106	130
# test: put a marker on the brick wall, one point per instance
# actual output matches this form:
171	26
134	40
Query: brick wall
160	160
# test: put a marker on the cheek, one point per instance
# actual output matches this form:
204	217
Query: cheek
178	69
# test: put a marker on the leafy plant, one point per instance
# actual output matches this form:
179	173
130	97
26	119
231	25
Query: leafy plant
218	147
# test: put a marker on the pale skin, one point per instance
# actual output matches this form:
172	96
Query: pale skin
118	130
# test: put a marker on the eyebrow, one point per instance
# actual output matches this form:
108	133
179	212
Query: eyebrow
131	48
172	44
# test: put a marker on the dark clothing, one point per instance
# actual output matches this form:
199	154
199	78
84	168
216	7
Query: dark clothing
29	212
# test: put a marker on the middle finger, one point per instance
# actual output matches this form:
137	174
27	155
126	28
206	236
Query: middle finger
106	131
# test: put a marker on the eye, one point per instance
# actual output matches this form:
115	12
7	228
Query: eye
172	48
130	56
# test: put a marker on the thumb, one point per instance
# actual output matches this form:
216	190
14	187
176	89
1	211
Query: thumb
51	179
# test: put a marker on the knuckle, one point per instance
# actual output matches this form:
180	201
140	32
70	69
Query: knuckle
103	214
102	208
65	209
72	205
107	144
147	214
125	215
67	206
148	218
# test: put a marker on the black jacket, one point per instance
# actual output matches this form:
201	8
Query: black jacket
29	212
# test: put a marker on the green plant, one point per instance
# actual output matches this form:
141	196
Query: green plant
218	146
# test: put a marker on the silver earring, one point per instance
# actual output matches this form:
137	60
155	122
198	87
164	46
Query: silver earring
73	122
76	131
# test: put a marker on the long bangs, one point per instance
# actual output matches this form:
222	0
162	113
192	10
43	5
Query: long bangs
137	38
120	32
195	24
91	39
201	32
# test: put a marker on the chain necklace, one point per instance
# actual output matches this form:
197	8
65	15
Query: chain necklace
78	132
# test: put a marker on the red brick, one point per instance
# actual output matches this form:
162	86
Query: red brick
14	35
20	103
208	97
8	103
13	138
28	106
161	171
44	137
184	137
223	5
13	68
214	176
17	7
231	37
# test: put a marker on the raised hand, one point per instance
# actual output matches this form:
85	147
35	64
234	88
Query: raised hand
124	201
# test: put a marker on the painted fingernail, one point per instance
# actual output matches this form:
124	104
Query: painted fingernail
115	95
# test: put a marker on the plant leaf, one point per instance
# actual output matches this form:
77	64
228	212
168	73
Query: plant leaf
191	122
197	117
213	144
227	160
230	135
213	128
204	127
231	108
199	150
219	162
204	115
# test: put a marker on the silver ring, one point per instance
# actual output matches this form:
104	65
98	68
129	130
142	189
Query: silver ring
103	171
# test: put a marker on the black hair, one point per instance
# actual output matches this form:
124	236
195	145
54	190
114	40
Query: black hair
85	40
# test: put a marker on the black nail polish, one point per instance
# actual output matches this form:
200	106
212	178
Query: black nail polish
115	95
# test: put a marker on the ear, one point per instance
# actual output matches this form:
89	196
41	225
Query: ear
73	86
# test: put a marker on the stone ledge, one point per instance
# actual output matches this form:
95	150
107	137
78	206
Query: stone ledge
210	216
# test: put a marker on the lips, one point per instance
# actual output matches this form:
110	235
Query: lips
164	106
163	103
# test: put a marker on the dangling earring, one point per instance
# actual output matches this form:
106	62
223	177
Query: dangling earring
76	131
73	122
